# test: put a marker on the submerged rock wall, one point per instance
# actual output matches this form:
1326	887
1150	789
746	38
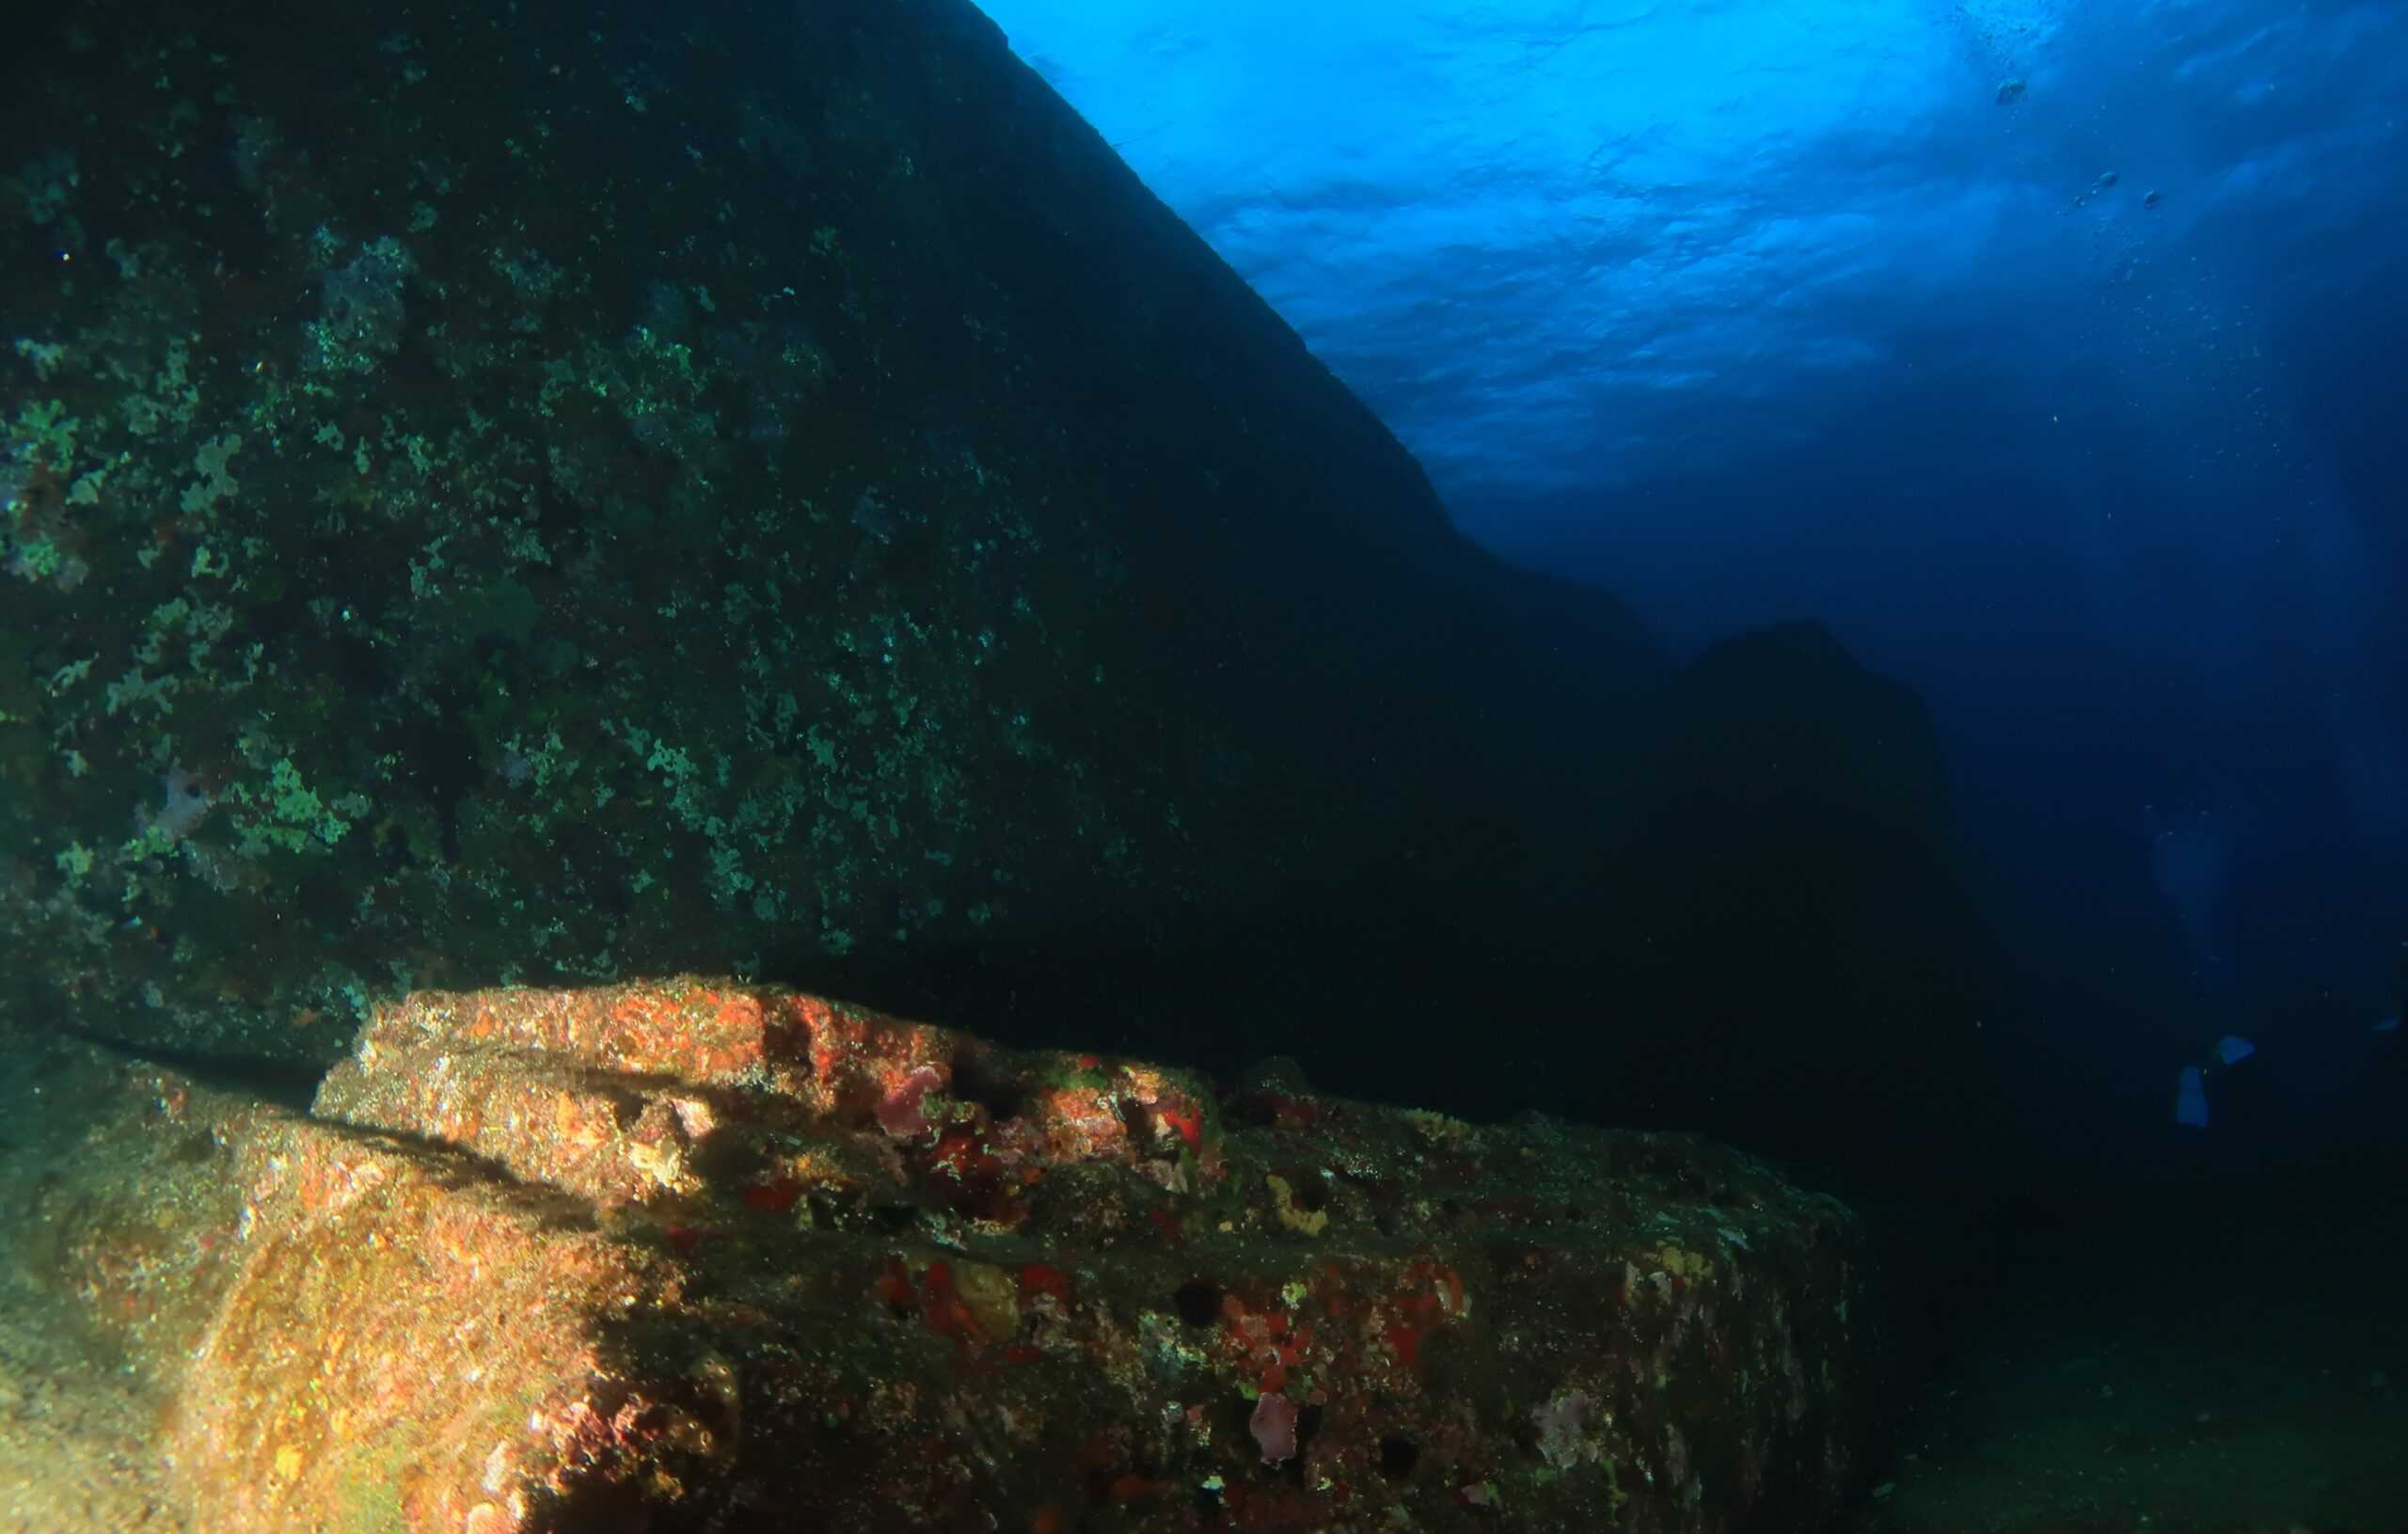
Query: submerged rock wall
565	491
572	491
702	1256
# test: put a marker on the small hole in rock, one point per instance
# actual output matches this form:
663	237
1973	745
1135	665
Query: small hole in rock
1199	1301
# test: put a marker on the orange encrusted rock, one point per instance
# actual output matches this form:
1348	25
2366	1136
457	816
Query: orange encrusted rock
666	1257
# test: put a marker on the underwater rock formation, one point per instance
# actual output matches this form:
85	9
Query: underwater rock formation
590	490
579	491
1828	967
697	1254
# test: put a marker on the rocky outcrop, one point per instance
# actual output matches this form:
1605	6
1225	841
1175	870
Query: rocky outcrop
705	1255
579	491
1817	974
545	494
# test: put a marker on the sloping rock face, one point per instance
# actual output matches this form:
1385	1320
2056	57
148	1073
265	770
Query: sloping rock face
581	489
704	1256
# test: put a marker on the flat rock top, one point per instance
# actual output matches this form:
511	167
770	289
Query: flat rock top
616	1092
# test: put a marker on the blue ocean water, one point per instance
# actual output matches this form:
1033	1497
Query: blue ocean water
2050	353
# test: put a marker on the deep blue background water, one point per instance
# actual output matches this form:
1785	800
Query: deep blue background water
2055	356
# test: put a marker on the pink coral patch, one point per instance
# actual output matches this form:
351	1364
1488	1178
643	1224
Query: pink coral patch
901	1114
1275	1427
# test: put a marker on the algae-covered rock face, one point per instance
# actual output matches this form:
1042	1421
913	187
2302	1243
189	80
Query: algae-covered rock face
469	490
565	492
561	491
